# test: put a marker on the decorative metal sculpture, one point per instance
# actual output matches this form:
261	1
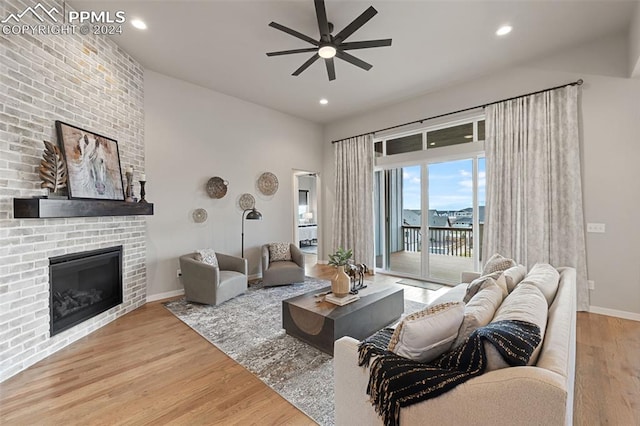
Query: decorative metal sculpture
356	273
53	168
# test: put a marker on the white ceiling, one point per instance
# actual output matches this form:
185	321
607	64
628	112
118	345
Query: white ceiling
221	45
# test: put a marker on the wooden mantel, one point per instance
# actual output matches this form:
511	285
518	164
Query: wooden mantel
41	208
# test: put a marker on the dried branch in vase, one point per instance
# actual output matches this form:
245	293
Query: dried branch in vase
53	169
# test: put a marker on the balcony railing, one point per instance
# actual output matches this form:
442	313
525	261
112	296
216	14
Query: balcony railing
442	240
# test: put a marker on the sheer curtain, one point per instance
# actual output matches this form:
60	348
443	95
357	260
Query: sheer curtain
534	192
353	207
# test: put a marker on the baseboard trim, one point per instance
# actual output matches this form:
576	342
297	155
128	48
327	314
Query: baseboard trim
166	295
615	313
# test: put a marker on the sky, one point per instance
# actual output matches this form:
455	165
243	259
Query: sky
450	185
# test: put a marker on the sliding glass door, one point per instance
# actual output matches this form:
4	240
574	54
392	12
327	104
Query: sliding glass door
429	218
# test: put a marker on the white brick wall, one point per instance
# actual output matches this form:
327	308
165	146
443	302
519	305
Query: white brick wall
89	82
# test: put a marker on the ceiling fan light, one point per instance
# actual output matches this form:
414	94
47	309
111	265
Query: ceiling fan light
327	52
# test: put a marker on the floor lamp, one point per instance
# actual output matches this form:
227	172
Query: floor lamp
253	215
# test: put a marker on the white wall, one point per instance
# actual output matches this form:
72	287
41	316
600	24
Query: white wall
610	126
193	134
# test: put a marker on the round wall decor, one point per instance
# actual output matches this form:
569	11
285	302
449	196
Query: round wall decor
217	187
246	201
199	215
268	183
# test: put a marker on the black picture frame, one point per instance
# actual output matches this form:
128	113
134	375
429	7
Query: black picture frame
93	164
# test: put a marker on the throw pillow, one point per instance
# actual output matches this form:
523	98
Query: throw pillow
497	263
279	252
525	303
484	281
546	278
479	311
207	256
425	335
514	275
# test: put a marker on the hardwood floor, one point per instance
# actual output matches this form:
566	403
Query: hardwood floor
149	368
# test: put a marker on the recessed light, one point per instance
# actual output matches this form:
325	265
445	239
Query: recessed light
323	101
432	144
504	30
468	136
139	24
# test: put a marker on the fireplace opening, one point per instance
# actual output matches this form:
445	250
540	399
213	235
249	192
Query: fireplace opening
83	285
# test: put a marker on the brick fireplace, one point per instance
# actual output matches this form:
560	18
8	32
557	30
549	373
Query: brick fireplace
90	82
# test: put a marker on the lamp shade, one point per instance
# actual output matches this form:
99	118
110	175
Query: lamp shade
254	215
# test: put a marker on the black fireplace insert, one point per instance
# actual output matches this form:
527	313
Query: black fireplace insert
83	285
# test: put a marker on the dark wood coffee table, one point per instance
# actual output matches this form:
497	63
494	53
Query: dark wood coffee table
322	323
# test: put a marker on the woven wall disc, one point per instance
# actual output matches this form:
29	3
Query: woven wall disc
217	187
268	183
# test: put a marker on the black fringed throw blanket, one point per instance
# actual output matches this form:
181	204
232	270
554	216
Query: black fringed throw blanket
396	382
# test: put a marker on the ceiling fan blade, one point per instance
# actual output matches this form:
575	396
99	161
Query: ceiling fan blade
353	60
289	52
306	64
355	24
323	24
294	33
331	69
365	44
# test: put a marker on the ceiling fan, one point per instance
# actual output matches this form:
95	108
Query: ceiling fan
332	45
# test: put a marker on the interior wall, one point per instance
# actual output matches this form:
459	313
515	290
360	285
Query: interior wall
610	129
193	134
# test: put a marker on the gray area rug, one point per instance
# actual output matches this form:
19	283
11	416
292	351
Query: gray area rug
249	329
422	284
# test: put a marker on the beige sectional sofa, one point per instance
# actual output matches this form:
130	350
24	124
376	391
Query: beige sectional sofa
540	394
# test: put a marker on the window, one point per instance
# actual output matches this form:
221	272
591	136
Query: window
429	198
430	137
377	149
450	136
404	144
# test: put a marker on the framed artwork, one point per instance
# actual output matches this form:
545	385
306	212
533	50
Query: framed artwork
93	163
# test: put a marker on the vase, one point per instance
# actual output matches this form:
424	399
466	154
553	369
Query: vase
341	283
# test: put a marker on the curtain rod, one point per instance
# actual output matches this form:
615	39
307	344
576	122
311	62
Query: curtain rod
575	83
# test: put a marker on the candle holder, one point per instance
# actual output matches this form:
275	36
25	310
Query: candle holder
142	192
129	191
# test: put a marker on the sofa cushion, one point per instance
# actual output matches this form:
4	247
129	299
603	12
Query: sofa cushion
525	303
546	278
497	262
427	334
479	311
484	281
207	256
279	252
514	275
456	294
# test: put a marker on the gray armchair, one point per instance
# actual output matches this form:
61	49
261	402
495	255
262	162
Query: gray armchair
210	285
285	271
